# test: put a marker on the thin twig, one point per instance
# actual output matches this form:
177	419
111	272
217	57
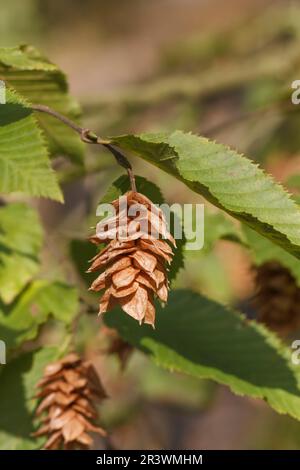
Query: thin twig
122	160
89	137
45	109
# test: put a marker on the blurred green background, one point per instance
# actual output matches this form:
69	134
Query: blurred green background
221	69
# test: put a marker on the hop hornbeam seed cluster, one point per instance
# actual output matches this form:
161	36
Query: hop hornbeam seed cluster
278	298
133	263
68	391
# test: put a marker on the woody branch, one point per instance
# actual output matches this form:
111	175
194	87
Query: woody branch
89	137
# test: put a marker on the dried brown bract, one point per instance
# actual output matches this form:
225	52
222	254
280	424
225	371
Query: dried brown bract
133	264
67	393
278	298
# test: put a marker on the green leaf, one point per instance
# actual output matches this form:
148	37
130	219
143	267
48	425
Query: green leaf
176	389
218	226
24	162
21	238
177	262
20	321
81	252
122	184
152	191
227	179
202	338
24	69
18	379
262	251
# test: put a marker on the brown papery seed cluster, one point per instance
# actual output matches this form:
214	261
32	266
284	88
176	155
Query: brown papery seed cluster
277	298
68	391
134	262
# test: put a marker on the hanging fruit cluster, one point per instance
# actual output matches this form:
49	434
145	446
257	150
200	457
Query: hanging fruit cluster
68	391
277	298
133	262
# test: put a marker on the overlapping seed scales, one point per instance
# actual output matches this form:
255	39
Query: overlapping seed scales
133	262
125	277
277	298
67	392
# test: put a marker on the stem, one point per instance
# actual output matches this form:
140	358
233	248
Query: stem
122	160
45	109
90	137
